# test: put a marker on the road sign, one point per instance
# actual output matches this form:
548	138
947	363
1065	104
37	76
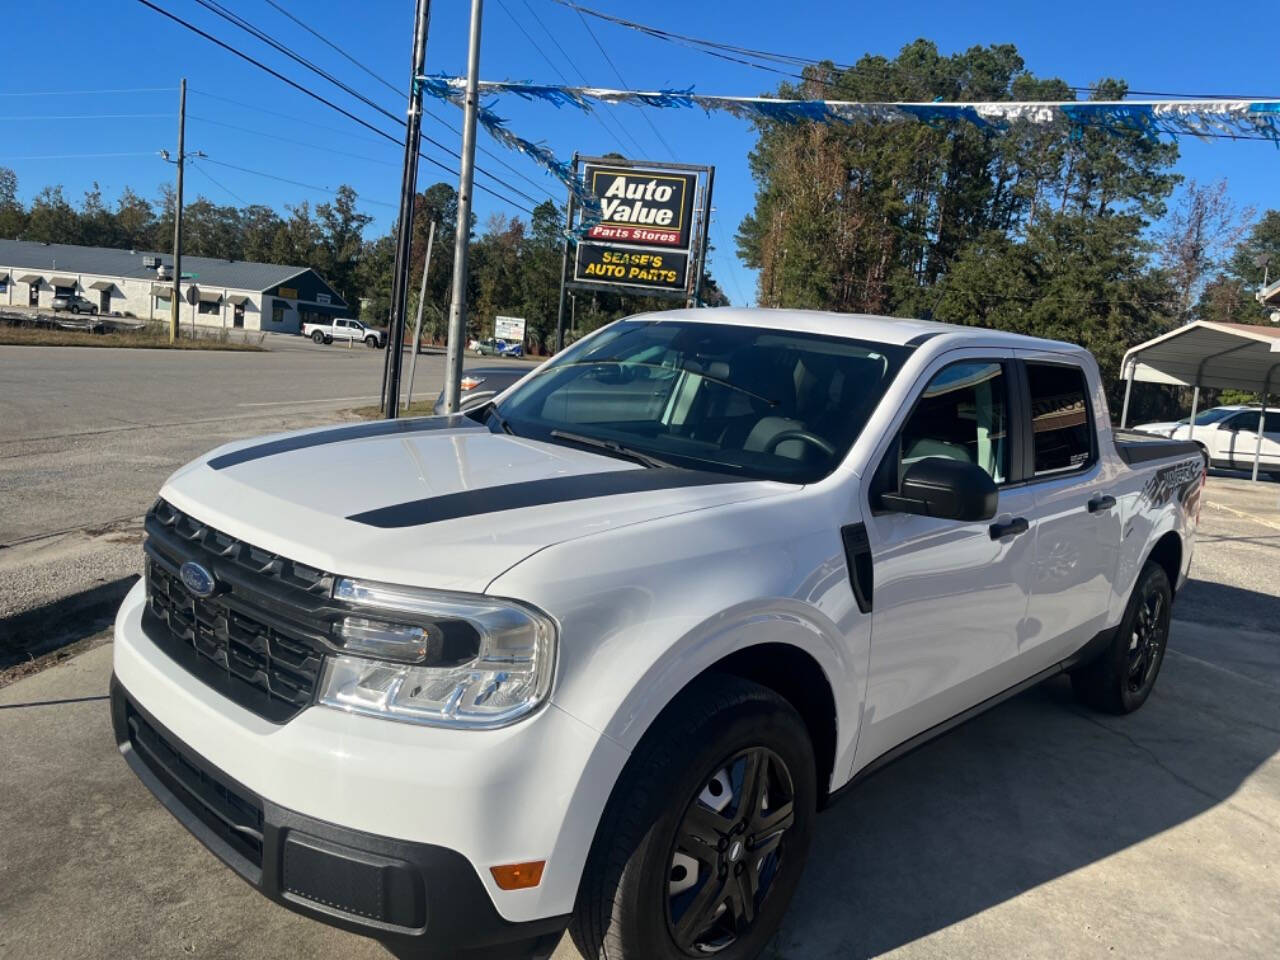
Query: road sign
509	328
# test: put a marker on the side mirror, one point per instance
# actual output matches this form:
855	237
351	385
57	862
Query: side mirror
948	489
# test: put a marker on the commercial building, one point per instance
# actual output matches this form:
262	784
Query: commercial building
215	293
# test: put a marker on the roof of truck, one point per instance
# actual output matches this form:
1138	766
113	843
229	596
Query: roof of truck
855	326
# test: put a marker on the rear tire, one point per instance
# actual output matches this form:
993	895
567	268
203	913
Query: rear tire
689	787
317	337
1123	676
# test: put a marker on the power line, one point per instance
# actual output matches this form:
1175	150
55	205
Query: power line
218	183
86	93
300	143
239	21
390	86
76	156
618	73
296	183
600	119
315	96
94	116
285	116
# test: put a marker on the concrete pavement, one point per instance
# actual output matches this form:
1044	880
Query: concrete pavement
1038	830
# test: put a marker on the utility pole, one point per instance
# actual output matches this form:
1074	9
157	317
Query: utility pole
417	326
176	298
458	306
564	261
408	195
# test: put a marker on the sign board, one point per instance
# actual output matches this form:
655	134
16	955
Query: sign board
289	293
645	269
509	328
642	206
324	298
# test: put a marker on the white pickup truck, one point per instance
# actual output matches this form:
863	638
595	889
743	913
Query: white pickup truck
593	655
344	328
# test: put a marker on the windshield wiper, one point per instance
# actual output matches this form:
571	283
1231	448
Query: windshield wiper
491	410
612	447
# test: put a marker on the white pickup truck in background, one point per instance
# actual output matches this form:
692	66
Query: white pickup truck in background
344	328
595	653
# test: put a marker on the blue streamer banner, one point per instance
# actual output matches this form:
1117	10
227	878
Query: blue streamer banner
1251	119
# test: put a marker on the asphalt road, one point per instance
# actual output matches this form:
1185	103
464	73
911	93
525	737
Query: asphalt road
1039	830
88	435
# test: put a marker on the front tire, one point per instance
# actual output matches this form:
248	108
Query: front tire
75	310
371	342
704	839
1123	676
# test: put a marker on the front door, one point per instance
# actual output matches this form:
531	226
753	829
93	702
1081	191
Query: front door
33	294
237	316
950	598
104	301
1241	434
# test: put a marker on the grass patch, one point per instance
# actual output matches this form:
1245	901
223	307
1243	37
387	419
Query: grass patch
419	408
147	339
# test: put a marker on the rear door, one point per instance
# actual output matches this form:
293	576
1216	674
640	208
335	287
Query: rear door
950	598
1076	514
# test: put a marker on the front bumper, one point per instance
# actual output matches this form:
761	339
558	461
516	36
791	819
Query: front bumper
421	900
423	812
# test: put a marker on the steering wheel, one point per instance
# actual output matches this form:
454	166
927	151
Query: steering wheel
805	435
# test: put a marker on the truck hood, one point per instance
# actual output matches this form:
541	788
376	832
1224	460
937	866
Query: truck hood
435	502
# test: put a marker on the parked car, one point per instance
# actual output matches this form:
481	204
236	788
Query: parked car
594	654
481	385
1228	437
347	330
493	347
74	303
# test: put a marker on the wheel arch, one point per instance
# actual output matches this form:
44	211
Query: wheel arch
1168	553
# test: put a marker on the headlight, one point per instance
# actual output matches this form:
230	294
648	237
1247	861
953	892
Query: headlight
437	658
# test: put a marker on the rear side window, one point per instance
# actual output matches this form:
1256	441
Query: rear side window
1246	421
1062	429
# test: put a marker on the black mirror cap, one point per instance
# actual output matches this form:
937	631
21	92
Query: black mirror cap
947	489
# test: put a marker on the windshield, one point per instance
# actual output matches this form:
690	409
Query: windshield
1208	416
765	404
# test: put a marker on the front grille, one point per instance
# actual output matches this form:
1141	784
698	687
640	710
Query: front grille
259	639
233	815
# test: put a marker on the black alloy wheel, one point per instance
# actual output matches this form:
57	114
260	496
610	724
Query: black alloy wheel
1147	639
728	851
1121	678
704	839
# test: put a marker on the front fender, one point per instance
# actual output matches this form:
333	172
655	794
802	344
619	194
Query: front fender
645	609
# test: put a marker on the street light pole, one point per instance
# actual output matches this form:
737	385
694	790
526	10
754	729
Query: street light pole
458	308
408	196
175	297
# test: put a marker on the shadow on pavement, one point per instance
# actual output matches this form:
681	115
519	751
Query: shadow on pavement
1029	792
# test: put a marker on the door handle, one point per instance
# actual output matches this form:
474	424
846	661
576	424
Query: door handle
1100	503
1011	529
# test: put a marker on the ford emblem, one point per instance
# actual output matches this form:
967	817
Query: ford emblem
197	579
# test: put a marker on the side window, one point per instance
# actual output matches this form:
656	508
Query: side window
1062	430
1246	421
963	414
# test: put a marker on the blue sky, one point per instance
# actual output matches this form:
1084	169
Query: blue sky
1177	47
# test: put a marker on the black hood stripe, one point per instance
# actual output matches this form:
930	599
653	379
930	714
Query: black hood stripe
359	431
536	493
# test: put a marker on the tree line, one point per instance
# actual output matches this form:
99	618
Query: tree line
514	266
1068	236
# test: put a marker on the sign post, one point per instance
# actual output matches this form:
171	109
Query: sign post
649	240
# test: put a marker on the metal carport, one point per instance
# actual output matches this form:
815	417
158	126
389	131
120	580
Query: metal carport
1237	356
